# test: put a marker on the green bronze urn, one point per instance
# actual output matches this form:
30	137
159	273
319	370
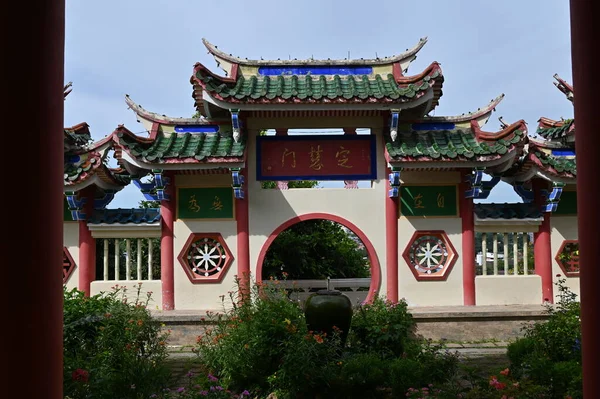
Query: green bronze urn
327	309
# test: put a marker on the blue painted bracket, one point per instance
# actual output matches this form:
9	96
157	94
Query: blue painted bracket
101	203
75	205
155	189
553	198
235	124
394	118
480	189
394	179
238	182
526	195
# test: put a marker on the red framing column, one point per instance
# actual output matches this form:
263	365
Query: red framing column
167	256
34	217
468	241
391	243
87	244
542	247
585	31
243	241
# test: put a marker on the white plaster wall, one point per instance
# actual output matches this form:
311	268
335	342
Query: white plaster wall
203	296
430	293
71	241
152	286
364	207
563	228
508	290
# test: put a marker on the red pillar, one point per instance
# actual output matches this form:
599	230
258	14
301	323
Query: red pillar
87	244
391	244
542	247
167	215
243	242
468	241
32	296
585	31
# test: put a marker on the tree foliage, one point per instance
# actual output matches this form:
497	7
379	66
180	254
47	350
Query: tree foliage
315	249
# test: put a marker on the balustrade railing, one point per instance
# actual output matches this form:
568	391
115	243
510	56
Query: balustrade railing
356	289
504	254
129	258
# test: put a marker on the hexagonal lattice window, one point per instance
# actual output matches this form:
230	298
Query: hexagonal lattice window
430	255
568	258
68	265
205	258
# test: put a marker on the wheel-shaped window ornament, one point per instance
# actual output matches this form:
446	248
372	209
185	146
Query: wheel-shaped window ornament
430	255
205	257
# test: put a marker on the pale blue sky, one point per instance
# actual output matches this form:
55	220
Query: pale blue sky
147	49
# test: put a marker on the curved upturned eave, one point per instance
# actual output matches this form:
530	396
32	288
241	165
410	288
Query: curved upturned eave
435	87
409	53
481	112
163	119
494	136
564	87
495	161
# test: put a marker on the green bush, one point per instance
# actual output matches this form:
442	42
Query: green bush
263	345
550	352
112	348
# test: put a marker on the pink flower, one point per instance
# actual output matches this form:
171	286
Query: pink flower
505	371
212	378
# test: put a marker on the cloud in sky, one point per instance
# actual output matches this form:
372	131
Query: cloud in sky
147	49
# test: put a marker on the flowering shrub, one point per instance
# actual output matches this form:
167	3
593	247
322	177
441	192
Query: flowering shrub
211	388
112	348
550	352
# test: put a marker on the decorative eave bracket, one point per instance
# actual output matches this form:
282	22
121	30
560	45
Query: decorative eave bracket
101	203
552	198
237	183
76	205
235	124
479	188
394	179
394	117
155	189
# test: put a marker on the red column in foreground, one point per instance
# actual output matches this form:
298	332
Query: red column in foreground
391	244
32	217
542	247
468	241
243	241
167	215
87	244
585	31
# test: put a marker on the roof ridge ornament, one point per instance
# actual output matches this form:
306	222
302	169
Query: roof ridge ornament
408	54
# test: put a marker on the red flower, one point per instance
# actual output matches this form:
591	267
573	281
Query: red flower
80	375
505	371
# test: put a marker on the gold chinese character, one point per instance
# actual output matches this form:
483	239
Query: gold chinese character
217	205
315	158
419	201
291	154
440	200
342	157
193	204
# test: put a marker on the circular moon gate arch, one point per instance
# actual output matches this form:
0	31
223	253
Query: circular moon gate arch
371	254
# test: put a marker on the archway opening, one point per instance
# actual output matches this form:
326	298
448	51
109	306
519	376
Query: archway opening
304	252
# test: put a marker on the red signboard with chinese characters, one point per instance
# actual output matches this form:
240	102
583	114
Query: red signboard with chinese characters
316	157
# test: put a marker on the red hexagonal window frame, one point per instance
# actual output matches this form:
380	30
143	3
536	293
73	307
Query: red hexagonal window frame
567	260
68	265
430	255
205	258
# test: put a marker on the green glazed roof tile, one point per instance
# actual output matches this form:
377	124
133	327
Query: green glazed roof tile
553	133
560	164
307	87
508	211
459	145
182	146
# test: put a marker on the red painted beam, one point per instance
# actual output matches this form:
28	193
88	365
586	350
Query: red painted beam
391	244
87	245
468	241
585	31
167	255
32	218
243	242
542	246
